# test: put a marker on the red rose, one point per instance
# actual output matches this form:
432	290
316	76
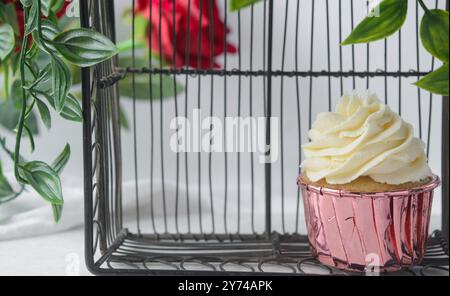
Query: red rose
184	28
19	12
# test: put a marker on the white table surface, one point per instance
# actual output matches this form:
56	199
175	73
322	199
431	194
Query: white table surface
58	254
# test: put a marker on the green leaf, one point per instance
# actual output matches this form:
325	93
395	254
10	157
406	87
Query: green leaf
76	74
49	31
27	3
434	33
33	51
123	119
61	83
436	82
84	47
15	63
6	191
46	7
142	87
44	180
30	137
239	4
61	161
57	212
45	113
32	22
72	109
9	117
41	79
7	40
57	5
128	45
391	18
9	16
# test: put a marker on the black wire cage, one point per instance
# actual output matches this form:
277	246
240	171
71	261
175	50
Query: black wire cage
208	213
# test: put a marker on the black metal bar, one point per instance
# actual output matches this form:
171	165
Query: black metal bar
272	73
299	109
268	165
135	137
210	238
121	73
445	162
282	119
87	153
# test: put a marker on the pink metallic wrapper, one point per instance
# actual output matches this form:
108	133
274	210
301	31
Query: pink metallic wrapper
360	231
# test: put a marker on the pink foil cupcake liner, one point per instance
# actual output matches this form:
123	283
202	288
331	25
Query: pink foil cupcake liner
363	231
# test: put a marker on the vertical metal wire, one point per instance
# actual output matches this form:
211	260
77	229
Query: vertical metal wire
239	115
135	143
341	79
211	31
225	105
152	124
199	87
87	148
445	158
419	93
113	137
368	52
430	106
352	17
385	70
400	69
299	117
368	65
161	117
116	130
311	65
110	174
264	57
327	8
283	58
252	165
268	165
186	113
177	186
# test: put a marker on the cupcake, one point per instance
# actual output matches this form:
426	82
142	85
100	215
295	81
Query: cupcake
367	188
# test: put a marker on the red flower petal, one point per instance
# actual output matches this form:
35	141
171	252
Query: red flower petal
187	26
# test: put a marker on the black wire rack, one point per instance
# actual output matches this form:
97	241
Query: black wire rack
226	213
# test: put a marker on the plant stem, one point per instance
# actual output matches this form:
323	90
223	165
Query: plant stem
423	5
21	124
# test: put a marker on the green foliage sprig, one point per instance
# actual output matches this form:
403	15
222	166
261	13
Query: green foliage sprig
239	4
433	34
45	82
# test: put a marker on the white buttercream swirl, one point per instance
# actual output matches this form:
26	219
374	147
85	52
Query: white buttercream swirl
363	137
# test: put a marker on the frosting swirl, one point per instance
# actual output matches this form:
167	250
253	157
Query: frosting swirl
363	137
